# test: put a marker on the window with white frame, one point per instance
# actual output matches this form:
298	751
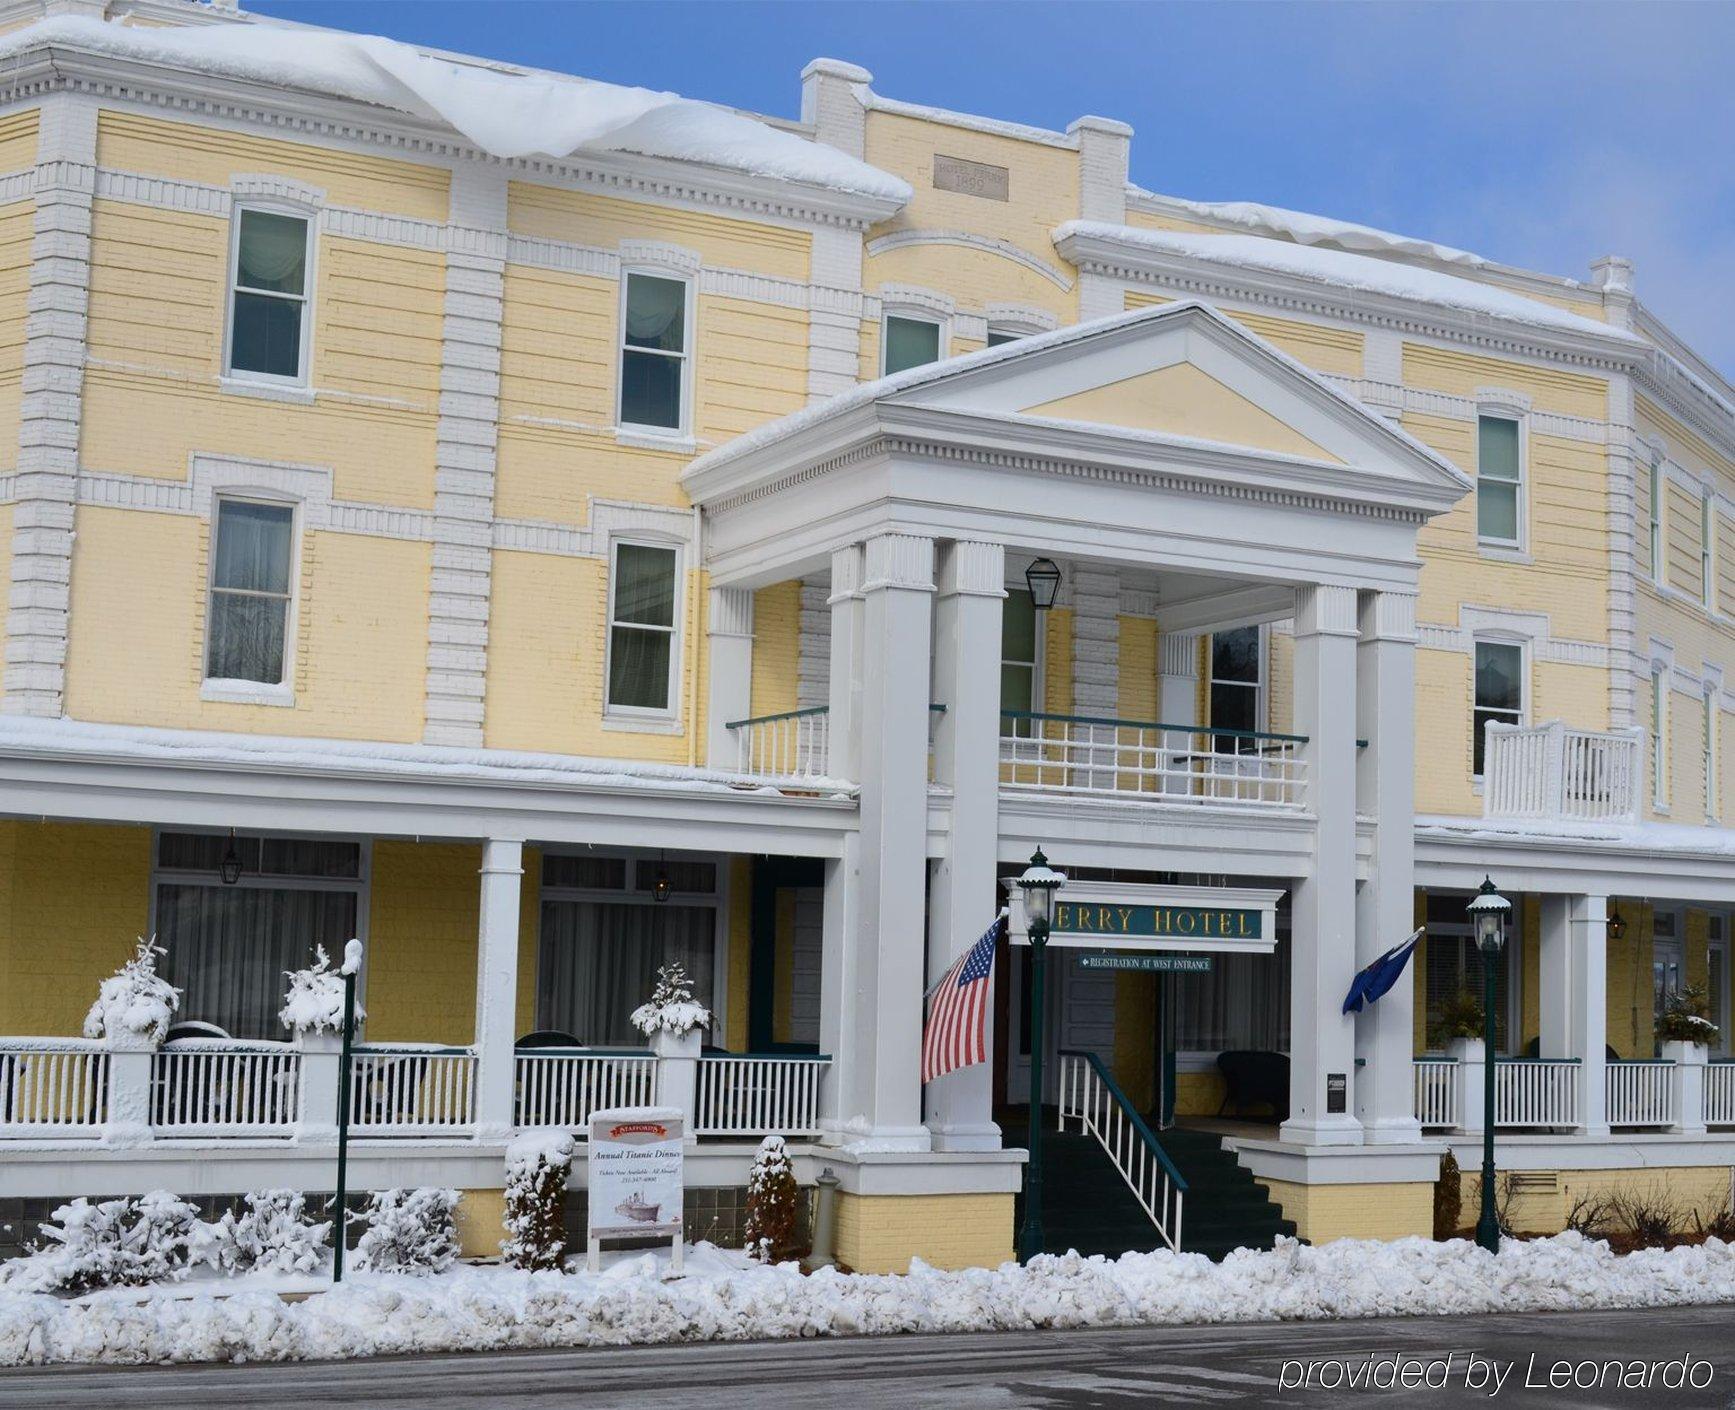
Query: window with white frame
247	630
1660	736
1707	551
655	357
642	627
1237	676
1658	568
269	312
1709	715
1020	658
909	342
997	336
1499	693
1499	482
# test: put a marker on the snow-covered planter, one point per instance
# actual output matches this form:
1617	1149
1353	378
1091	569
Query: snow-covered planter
671	1008
409	1231
773	1203
131	1242
537	1164
1684	1024
314	1003
271	1234
135	1004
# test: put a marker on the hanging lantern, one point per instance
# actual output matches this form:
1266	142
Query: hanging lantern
1043	579
661	887
230	867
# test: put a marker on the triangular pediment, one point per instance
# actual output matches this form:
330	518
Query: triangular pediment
1183	400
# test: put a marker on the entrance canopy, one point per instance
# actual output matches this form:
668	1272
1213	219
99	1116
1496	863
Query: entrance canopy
1170	439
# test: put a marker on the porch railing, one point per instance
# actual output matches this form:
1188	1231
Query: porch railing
216	1086
563	1086
1720	1093
1550	771
795	744
1640	1093
411	1089
1088	754
1089	1096
52	1087
1536	1092
1436	1082
754	1095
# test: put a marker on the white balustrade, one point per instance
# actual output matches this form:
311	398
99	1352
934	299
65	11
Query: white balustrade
1173	764
1640	1093
1720	1094
1535	1092
218	1086
409	1089
758	1096
793	745
1550	771
1101	1110
563	1086
1436	1093
52	1087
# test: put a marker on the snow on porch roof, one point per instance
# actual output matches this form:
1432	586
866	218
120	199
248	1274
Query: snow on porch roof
506	112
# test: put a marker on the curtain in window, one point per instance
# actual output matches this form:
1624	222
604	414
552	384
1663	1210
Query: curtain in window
228	948
598	962
1242	1003
643	633
656	312
273	252
250	592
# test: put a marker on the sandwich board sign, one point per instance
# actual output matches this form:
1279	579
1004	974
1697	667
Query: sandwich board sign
636	1178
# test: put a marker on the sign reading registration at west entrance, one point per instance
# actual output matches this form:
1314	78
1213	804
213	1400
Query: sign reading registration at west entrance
1129	917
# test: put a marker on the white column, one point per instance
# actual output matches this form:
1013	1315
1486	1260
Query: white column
730	631
1177	694
497	986
1586	927
317	1094
881	1095
1385	904
1322	916
129	1093
962	897
844	698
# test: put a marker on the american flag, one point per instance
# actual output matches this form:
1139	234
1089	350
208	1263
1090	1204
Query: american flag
957	1030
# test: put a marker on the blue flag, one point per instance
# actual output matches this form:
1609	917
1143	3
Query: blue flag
1379	976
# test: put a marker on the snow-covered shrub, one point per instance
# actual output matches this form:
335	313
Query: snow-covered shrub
271	1234
131	1242
135	1003
1448	1199
409	1231
671	1008
314	1003
536	1168
1684	1018
773	1203
1461	1016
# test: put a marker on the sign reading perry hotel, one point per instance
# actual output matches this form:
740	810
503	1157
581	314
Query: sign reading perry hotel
1110	915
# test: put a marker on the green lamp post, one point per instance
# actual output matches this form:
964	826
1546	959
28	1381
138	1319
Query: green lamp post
1488	914
1038	883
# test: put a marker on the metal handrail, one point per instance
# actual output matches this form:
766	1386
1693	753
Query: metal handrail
1111	723
1145	1134
780	715
1089	1094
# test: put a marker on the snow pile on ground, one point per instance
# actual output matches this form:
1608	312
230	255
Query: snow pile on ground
314	1003
505	113
726	1298
135	1003
1345	270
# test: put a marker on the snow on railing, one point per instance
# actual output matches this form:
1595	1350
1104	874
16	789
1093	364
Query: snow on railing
1550	771
1641	1093
1720	1093
1089	1096
794	744
221	1086
1536	1092
52	1087
411	1089
563	1086
751	1095
1088	754
1436	1092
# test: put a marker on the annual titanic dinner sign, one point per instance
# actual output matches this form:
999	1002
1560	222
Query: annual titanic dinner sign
1126	916
635	1173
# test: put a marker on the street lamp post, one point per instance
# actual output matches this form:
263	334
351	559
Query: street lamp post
1488	914
1038	883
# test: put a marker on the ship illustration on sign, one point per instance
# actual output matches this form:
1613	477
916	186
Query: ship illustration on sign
634	1207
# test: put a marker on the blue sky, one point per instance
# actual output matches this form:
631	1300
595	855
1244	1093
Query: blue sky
1540	134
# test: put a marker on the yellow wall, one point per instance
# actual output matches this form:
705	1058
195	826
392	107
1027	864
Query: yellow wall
422	923
776	648
738	976
880	1233
1700	1189
1325	1212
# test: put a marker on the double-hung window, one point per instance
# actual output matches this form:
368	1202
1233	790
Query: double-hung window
1019	660
1707	552
251	589
998	336
1708	726
1658	568
1660	736
642	629
1499	482
910	342
1499	693
654	352
1235	681
268	300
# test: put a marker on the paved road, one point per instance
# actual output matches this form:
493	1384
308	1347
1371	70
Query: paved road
1220	1366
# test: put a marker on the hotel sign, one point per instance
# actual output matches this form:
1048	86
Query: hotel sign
1106	915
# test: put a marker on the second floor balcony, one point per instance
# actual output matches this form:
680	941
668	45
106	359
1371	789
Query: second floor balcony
1552	771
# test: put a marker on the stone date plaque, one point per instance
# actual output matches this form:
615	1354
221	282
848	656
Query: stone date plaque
969	178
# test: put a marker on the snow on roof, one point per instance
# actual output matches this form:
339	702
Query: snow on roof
1305	228
505	113
1349	271
1654	837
